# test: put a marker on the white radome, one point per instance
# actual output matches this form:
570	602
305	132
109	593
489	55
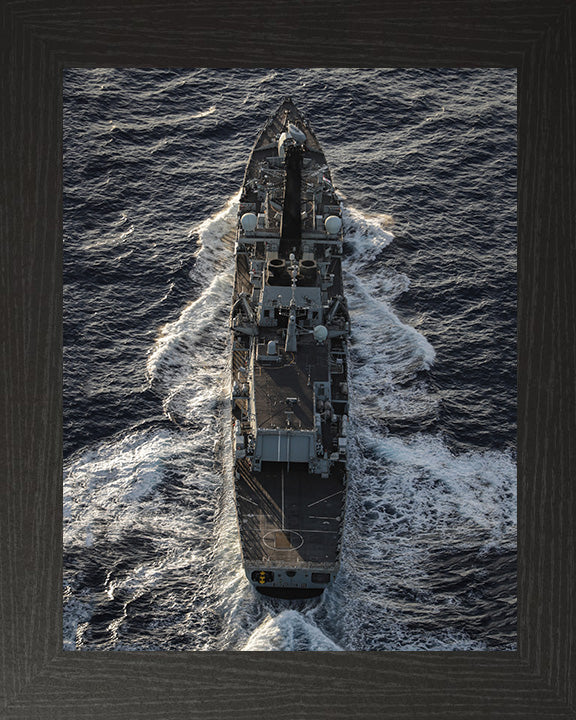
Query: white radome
333	224
296	133
320	333
249	221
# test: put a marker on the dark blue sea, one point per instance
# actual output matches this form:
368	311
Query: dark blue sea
425	164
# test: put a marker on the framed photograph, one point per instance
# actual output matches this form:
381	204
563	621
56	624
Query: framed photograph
129	204
372	464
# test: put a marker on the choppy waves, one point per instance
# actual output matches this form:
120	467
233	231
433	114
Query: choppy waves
152	558
153	160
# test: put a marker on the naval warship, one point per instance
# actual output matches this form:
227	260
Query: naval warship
289	335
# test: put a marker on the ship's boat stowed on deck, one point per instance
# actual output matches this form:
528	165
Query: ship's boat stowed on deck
290	328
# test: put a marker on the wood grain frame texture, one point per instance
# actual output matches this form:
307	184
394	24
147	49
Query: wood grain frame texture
40	38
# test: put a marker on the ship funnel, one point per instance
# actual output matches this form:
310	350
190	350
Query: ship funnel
308	270
277	271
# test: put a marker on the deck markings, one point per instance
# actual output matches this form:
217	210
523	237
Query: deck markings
326	498
282	495
247	499
328	532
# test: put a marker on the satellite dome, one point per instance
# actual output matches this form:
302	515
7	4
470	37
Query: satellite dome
320	333
296	134
249	221
333	224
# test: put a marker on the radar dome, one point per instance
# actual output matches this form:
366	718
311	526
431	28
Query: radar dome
320	333
333	224
249	221
296	133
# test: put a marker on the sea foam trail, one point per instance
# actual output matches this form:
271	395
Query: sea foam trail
386	354
429	489
159	488
162	499
188	361
289	631
212	255
138	532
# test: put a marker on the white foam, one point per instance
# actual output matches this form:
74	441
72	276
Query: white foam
386	354
189	357
433	487
187	361
117	488
203	113
122	491
403	491
289	630
386	348
376	330
367	234
212	254
107	482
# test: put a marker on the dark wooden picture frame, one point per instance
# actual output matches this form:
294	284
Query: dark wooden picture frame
39	38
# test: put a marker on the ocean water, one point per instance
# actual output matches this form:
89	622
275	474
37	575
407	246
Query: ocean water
425	163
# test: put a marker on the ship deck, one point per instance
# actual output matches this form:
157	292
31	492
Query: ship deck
292	377
266	142
288	517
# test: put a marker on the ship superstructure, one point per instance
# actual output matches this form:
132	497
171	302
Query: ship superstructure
290	327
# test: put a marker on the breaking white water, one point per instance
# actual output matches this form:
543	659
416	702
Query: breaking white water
415	509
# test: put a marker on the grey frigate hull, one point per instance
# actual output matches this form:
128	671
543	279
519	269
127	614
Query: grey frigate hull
289	328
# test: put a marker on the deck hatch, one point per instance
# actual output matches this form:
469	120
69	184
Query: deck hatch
284	446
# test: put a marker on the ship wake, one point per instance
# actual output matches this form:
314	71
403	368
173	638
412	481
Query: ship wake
152	556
